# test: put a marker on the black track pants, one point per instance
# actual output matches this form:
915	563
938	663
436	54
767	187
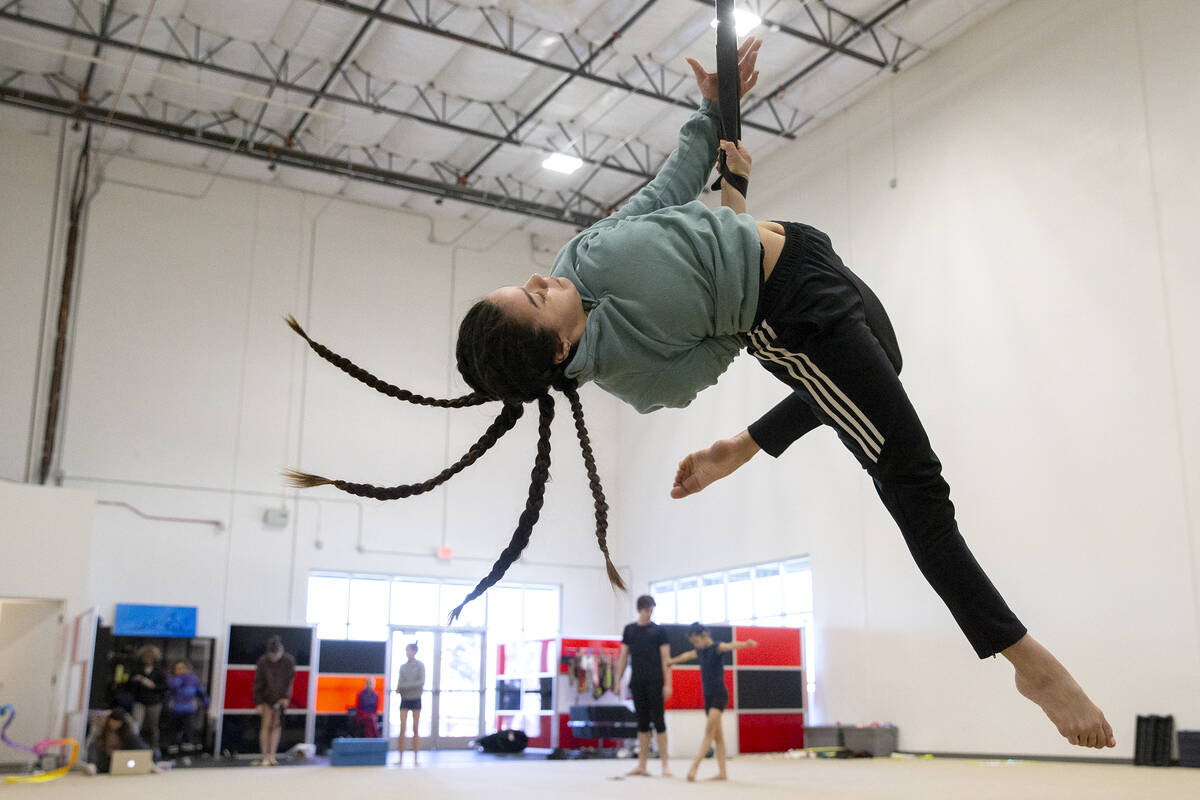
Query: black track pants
821	330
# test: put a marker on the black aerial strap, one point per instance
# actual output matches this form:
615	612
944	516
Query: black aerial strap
728	88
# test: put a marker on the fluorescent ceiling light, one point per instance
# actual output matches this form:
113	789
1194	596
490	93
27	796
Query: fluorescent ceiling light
743	21
561	162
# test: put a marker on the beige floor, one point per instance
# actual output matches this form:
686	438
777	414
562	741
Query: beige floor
752	777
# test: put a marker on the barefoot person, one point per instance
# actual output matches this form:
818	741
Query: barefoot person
653	302
644	645
274	675
410	685
716	696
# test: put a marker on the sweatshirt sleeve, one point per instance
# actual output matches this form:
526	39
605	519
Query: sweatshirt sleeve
260	683
695	370
686	170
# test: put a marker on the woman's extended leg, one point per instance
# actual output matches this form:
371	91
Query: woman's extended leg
720	742
711	723
853	387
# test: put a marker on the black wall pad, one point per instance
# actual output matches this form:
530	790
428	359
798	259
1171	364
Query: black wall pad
677	638
248	642
239	732
769	688
353	657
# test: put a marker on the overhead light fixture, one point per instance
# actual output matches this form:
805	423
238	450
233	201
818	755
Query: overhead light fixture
743	21
561	162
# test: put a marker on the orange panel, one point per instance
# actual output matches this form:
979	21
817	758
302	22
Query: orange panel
337	693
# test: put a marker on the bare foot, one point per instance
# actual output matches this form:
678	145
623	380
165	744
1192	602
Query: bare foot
1041	678
638	771
704	467
691	776
667	773
720	777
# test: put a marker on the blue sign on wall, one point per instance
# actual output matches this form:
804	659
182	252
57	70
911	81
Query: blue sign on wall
137	620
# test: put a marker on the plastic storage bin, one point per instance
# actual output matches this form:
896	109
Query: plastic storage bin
1189	748
358	752
879	741
823	736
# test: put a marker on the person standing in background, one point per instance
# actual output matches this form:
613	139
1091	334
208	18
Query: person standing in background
645	645
185	698
148	685
366	706
273	677
410	686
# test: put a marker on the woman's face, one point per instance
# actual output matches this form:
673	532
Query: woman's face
410	651
549	303
180	669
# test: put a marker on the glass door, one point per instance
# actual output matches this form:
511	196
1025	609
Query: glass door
452	702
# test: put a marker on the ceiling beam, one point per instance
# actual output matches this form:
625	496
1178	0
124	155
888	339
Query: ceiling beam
820	41
562	84
866	27
291	157
433	29
337	69
276	83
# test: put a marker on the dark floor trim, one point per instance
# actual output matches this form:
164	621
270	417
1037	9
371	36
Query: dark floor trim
1011	757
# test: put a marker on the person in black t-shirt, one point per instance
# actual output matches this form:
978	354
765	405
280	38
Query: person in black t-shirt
644	644
716	696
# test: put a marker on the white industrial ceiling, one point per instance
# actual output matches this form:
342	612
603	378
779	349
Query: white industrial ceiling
412	103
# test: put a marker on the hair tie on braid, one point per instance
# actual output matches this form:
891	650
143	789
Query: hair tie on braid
533	506
358	373
503	423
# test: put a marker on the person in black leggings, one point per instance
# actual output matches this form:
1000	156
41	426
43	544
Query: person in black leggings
644	645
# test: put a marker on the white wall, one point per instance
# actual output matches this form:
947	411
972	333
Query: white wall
46	542
45	535
1035	256
27	181
30	639
187	395
1037	260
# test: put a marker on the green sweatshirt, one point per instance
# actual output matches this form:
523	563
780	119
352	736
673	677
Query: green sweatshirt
668	283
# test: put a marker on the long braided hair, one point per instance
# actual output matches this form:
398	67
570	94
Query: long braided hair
502	360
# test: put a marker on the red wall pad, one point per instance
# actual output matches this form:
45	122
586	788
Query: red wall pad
687	691
769	733
777	647
239	689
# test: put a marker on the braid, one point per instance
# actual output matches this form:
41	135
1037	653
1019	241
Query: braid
533	506
503	424
568	388
354	371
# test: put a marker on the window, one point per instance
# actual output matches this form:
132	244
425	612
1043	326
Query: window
778	593
775	593
328	605
687	600
349	606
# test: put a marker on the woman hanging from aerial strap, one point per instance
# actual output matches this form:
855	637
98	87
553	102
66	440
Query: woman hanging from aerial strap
653	302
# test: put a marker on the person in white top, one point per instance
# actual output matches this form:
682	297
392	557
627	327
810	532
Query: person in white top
410	686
